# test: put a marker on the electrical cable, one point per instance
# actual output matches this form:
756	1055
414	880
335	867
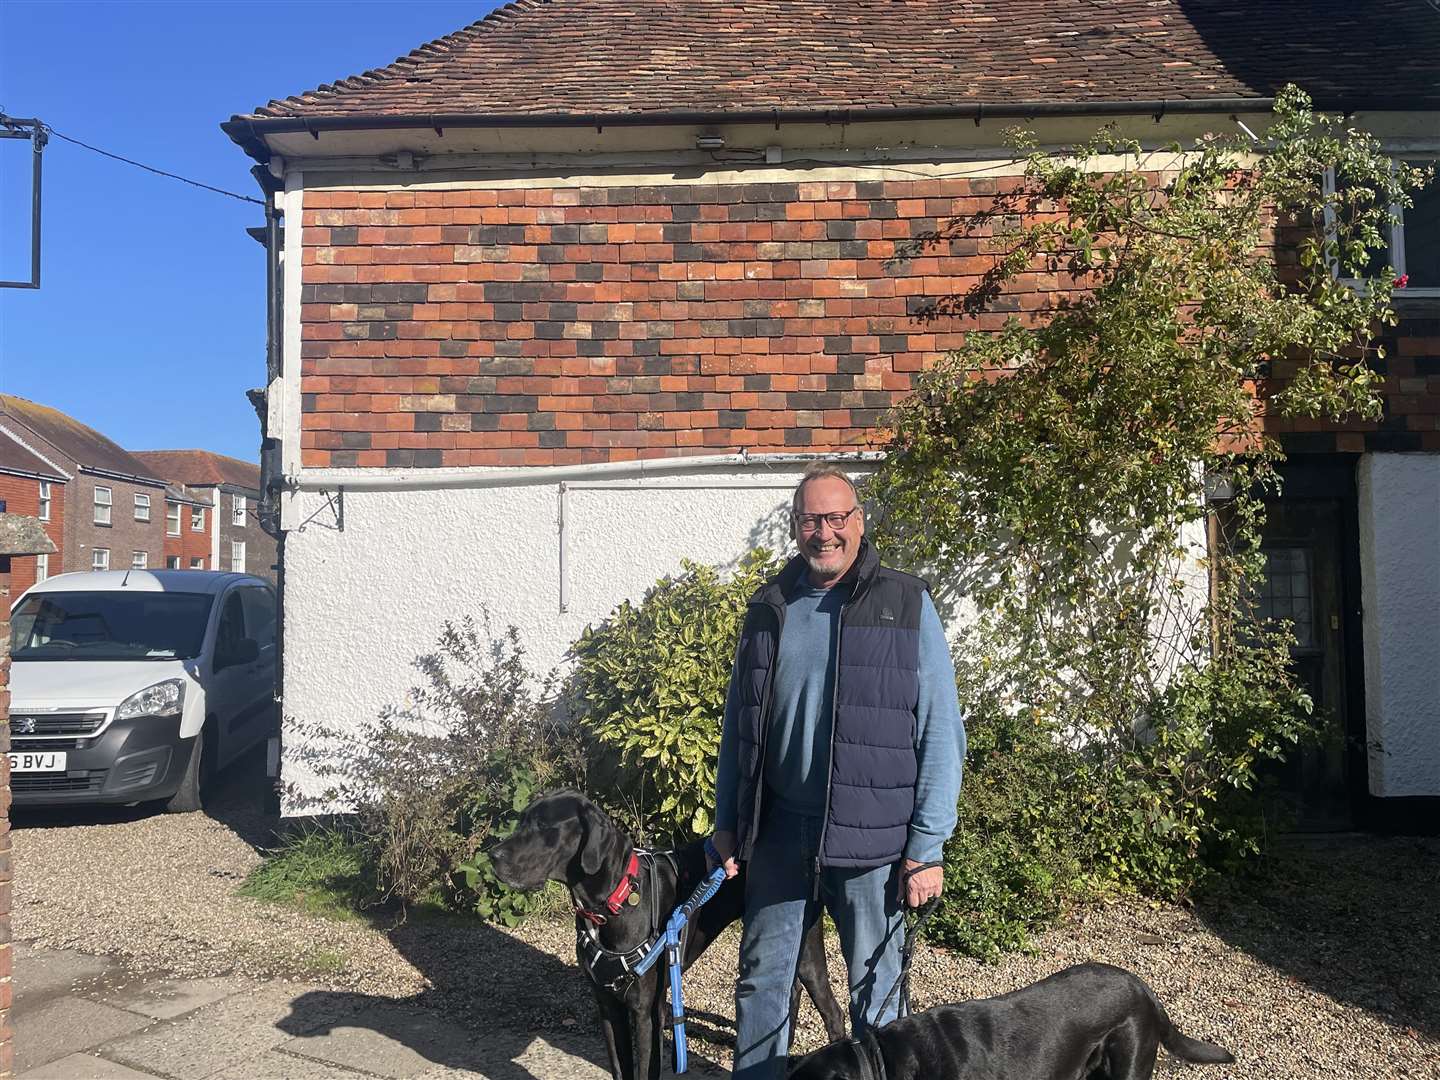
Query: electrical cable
150	168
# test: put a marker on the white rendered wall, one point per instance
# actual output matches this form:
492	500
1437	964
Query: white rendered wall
363	603
1400	586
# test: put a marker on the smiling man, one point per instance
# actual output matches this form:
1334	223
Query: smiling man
839	766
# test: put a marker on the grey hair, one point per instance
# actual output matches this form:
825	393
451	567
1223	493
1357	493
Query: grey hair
814	471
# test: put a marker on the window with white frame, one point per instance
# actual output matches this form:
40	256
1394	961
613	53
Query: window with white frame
42	568
139	560
100	559
237	556
197	563
197	518
44	500
237	505
172	518
102	505
172	562
1412	248
142	507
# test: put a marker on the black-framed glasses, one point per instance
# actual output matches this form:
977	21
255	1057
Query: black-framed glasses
811	522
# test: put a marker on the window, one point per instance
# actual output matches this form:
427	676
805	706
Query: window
142	507
44	500
237	504
172	562
102	506
237	556
1413	247
42	568
172	518
197	518
100	559
139	560
260	615
197	564
1286	593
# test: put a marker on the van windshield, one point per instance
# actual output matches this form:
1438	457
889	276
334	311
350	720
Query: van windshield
109	626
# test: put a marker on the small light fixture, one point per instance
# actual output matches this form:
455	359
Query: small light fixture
709	142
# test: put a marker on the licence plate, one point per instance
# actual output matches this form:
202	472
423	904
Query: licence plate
36	761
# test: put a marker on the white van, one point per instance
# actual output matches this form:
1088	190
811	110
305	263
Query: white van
136	685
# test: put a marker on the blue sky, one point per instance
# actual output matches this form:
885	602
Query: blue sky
150	322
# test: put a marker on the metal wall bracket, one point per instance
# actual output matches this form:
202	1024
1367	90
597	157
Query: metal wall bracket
336	505
14	128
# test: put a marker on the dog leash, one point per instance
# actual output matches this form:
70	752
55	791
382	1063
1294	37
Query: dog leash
907	951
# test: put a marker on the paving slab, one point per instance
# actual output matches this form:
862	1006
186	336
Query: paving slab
214	1037
41	974
277	1064
165	999
85	1067
66	1025
391	1040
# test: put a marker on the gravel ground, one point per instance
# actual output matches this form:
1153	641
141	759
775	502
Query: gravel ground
1327	967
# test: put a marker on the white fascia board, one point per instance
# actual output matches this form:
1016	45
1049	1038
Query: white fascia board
287	429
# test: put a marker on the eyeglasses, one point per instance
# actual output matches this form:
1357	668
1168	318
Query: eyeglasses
811	522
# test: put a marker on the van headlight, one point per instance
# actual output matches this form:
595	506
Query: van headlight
162	699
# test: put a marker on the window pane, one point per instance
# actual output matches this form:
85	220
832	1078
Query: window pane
100	559
172	519
1422	236
197	564
139	560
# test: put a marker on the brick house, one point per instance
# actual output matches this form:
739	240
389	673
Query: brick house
224	495
113	502
575	291
33	485
187	530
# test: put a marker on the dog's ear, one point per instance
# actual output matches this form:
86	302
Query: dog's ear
597	840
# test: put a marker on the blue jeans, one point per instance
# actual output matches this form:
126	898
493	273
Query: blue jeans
779	885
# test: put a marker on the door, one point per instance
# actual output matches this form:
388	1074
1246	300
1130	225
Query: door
263	719
229	689
1307	544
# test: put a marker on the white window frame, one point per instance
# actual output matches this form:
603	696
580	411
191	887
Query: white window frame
139	560
197	562
45	497
106	506
142	502
237	556
237	510
1397	231
173	511
172	562
42	567
197	519
99	558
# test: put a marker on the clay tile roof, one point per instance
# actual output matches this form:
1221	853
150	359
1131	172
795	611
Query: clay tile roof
16	457
558	58
80	444
201	468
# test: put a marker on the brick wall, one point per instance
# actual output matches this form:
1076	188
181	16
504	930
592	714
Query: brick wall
559	325
190	544
22	496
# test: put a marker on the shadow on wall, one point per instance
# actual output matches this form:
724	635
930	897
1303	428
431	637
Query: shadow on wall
1351	916
546	1027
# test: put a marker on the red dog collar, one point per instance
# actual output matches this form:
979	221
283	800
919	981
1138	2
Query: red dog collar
629	881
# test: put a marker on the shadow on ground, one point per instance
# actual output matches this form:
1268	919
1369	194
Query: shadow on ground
1351	916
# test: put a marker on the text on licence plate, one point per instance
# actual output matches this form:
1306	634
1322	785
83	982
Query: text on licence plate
37	761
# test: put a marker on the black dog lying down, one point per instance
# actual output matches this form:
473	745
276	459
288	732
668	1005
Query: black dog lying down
1088	1022
622	901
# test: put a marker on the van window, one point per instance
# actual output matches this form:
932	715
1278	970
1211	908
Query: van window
231	630
109	626
260	615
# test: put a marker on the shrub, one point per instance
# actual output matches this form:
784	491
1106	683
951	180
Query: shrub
432	781
649	685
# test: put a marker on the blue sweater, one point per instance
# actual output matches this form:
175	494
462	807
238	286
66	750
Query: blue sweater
797	748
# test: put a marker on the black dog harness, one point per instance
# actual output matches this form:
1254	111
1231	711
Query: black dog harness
872	1061
613	970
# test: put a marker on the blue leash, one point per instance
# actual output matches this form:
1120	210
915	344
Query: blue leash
670	943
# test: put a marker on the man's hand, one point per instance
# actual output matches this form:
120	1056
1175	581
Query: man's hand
923	885
723	845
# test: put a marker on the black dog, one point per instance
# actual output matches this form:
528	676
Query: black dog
1088	1022
622	900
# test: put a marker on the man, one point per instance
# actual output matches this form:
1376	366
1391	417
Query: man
839	766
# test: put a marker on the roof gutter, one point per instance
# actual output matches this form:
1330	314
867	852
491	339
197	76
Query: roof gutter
249	132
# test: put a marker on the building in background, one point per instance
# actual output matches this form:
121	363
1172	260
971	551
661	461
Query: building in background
189	519
114	504
34	485
225	494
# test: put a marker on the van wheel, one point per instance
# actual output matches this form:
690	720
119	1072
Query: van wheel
189	796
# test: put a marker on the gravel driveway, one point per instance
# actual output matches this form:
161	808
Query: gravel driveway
1327	968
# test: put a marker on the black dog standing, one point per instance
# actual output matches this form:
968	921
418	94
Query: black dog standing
623	898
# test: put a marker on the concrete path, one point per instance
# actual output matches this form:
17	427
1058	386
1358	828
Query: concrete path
78	1017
